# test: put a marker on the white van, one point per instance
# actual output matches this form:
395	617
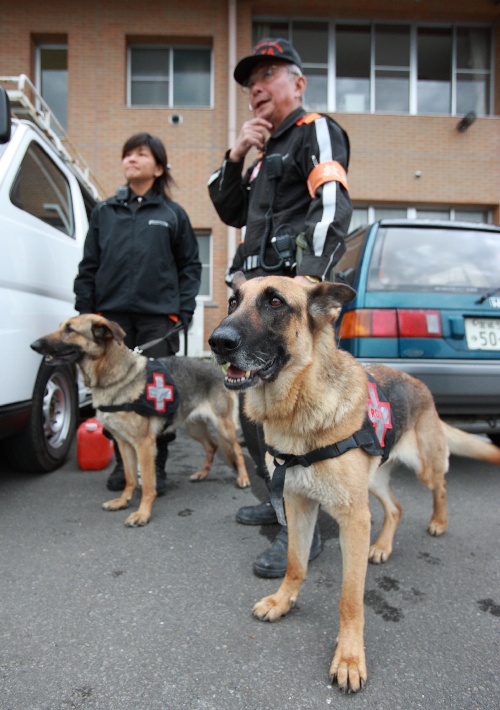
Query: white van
45	202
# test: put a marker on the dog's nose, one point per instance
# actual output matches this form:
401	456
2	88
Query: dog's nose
36	345
225	339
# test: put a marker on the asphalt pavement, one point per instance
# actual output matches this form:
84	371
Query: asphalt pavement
98	616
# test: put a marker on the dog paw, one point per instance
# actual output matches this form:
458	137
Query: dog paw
378	555
243	482
137	520
199	475
272	608
436	528
116	504
348	671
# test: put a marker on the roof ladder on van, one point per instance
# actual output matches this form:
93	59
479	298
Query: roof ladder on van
27	103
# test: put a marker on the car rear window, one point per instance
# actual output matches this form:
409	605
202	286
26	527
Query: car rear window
434	259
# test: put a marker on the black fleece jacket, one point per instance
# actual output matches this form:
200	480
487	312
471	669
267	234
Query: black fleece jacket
142	260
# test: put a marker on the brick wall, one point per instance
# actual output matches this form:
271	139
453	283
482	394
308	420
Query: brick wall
458	169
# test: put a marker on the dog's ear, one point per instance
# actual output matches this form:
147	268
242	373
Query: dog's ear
326	300
238	279
105	330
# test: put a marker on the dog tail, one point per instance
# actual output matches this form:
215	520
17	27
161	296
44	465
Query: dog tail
472	447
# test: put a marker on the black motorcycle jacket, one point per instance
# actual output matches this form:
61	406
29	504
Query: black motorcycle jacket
296	188
142	260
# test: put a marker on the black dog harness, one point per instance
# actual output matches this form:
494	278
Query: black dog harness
159	399
376	437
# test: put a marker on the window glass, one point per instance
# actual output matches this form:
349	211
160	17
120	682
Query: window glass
473	94
353	68
390	213
433	214
269	29
192	69
166	76
149	69
310	39
53	64
204	247
316	96
392	46
43	191
434	54
434	260
470	216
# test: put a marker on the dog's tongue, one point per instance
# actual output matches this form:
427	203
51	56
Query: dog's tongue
235	372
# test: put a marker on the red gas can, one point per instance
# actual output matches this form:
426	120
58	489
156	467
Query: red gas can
94	450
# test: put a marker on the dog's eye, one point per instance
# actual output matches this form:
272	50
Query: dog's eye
231	304
68	328
276	302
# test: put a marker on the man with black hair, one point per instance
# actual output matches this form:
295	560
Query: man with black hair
294	205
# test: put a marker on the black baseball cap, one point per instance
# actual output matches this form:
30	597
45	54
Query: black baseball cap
271	48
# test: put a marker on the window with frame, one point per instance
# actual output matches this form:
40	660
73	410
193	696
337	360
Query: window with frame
205	252
390	68
42	190
52	78
166	76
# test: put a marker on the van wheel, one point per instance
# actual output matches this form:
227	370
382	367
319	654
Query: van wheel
45	441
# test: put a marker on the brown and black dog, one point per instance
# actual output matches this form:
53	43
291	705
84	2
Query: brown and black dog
117	376
280	345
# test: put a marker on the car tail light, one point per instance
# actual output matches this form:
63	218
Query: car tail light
390	323
419	324
369	323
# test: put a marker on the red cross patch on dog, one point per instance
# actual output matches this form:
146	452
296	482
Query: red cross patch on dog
159	392
379	413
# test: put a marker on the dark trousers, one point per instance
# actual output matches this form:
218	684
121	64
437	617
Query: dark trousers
140	328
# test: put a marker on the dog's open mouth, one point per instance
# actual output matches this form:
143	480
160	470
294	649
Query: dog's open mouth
67	356
237	379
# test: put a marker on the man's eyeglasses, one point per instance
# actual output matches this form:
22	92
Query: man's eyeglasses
264	75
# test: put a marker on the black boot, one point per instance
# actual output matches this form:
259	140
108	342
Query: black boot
262	514
272	562
160	462
116	479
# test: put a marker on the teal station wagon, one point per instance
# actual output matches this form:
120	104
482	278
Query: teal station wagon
428	303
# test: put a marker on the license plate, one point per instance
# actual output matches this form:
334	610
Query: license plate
482	333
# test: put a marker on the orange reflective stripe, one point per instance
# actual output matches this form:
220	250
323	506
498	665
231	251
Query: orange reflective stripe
326	172
308	118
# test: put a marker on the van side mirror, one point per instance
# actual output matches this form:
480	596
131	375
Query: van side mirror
5	121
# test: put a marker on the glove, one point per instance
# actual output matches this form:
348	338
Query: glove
185	317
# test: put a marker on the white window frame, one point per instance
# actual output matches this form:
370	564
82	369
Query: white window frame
170	78
413	79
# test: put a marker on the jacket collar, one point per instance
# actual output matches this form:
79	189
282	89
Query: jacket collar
289	121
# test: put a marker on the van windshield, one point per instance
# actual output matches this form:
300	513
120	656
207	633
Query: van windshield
434	260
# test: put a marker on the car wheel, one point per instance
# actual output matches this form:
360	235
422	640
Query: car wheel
45	441
495	438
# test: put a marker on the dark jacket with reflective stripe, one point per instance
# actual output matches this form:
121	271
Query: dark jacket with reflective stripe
324	220
139	261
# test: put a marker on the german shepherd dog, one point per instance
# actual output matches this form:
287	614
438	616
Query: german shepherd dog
280	345
117	375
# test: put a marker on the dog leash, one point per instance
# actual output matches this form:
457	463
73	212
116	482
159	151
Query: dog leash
178	326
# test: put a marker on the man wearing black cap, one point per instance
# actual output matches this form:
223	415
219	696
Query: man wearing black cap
294	203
